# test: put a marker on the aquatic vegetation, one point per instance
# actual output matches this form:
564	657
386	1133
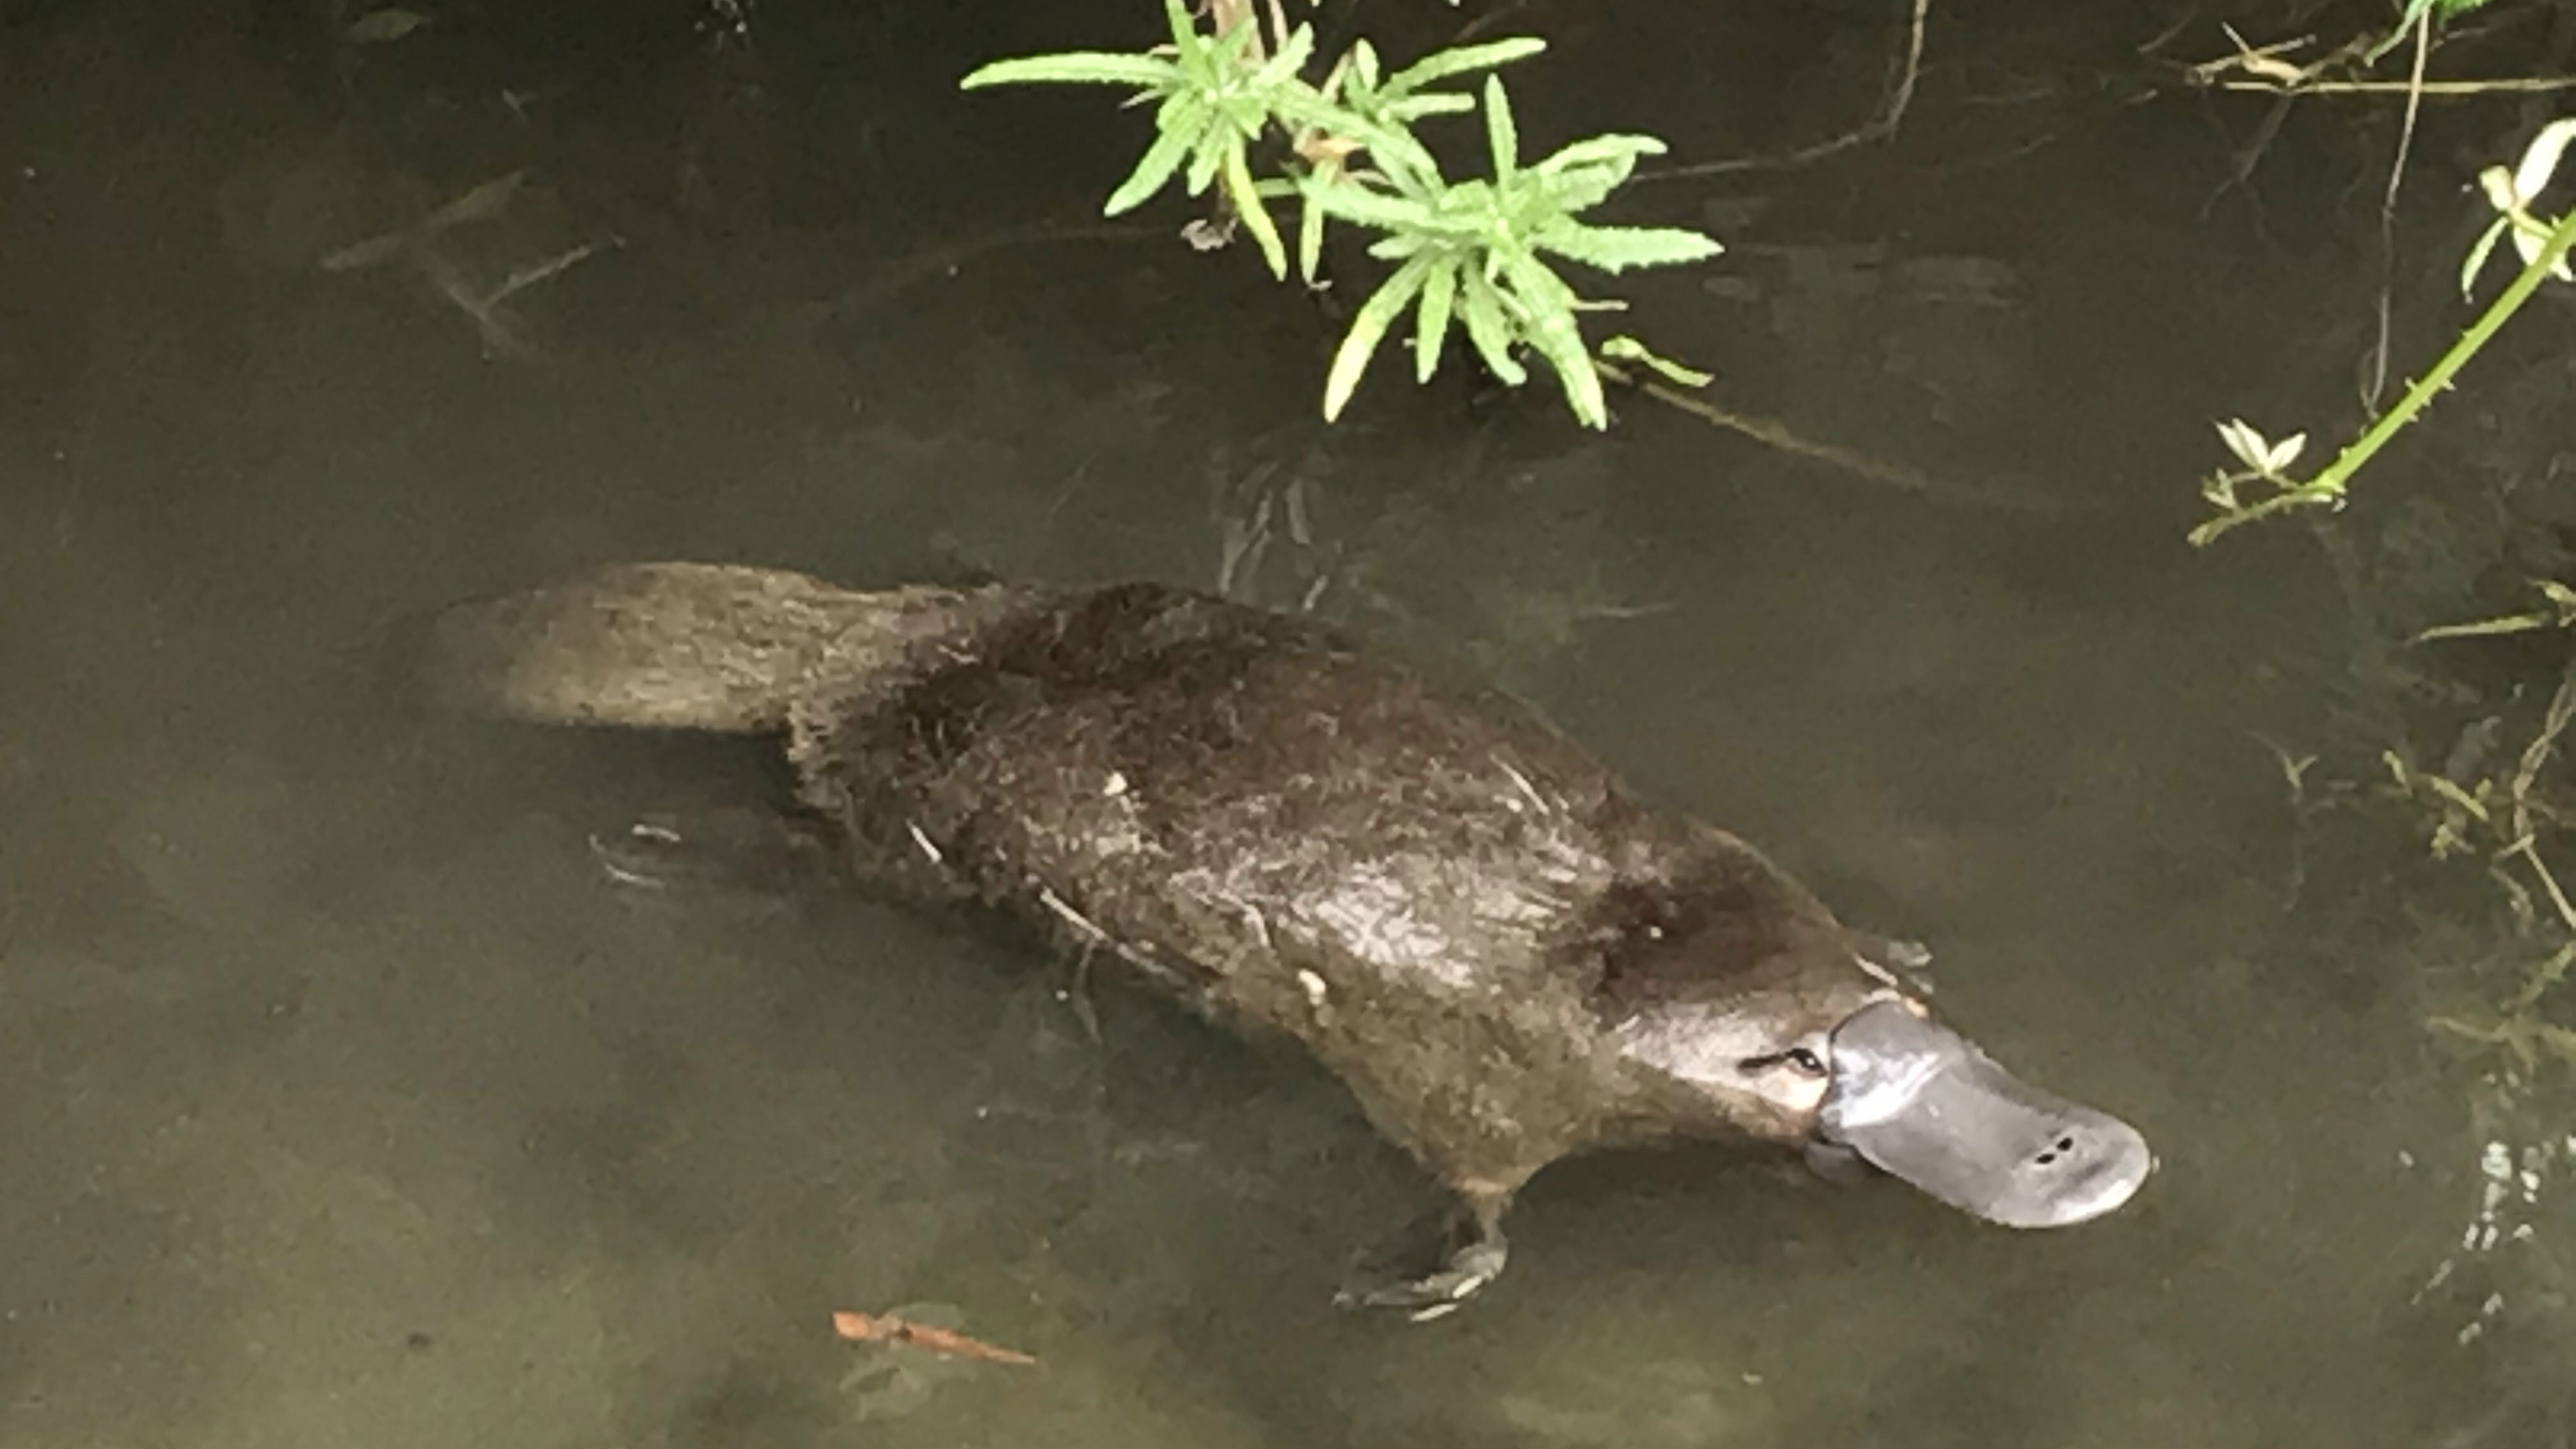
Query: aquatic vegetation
2471	765
1471	256
2493	988
2508	1010
2263	487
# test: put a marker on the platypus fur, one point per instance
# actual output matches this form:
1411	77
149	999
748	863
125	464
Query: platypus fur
1506	954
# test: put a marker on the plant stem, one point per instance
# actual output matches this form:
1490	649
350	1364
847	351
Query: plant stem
2327	488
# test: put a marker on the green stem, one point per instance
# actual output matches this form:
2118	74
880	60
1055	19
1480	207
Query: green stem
2327	488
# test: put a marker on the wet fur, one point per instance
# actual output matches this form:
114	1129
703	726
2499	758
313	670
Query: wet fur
1451	906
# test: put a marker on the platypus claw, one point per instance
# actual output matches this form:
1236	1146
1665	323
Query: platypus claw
1476	1257
1438	1294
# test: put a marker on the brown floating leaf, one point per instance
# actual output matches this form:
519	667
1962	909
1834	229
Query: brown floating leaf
887	1328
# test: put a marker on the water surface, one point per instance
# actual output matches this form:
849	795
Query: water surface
344	1101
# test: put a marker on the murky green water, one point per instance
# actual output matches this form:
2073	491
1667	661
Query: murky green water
342	1100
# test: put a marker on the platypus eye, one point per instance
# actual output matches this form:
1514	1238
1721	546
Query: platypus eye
1803	1060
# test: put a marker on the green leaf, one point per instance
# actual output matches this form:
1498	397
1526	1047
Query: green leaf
2540	159
1225	56
1392	147
1159	162
1498	131
2560	597
1310	240
1617	248
2249	446
1363	73
1547	321
1076	68
1489	326
1577	191
1596	168
1182	110
1598	150
1407	164
1213	146
2562	615
1431	322
1184	29
1368	328
1441	104
1542	294
1629	349
1299	104
1247	200
1582	385
2484	628
1248	114
1283	67
1353	202
1442	64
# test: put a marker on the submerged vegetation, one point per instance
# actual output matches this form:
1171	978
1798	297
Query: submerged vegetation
2543	245
2469	718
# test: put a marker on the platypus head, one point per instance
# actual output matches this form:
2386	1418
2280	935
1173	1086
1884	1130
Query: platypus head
1817	1046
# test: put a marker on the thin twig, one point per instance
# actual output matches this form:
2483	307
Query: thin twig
530	275
2430	88
2388	216
900	276
1071	917
2266	60
1899	95
1775	434
1488	21
2267	69
2562	708
2240	165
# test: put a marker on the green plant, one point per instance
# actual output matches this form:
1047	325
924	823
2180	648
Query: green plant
2561	614
1467	255
2418	13
2543	246
1475	250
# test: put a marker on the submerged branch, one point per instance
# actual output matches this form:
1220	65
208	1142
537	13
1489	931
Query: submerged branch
1882	125
2327	488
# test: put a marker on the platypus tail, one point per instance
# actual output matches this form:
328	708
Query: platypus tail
687	645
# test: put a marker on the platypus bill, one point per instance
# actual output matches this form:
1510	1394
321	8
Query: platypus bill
1506	955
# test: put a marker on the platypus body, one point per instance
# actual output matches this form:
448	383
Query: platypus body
1506	954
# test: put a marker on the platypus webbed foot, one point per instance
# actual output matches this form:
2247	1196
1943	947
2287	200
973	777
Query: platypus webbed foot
1466	1252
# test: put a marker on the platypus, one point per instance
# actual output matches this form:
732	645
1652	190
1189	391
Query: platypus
1507	954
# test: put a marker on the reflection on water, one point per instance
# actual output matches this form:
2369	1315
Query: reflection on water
347	1101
